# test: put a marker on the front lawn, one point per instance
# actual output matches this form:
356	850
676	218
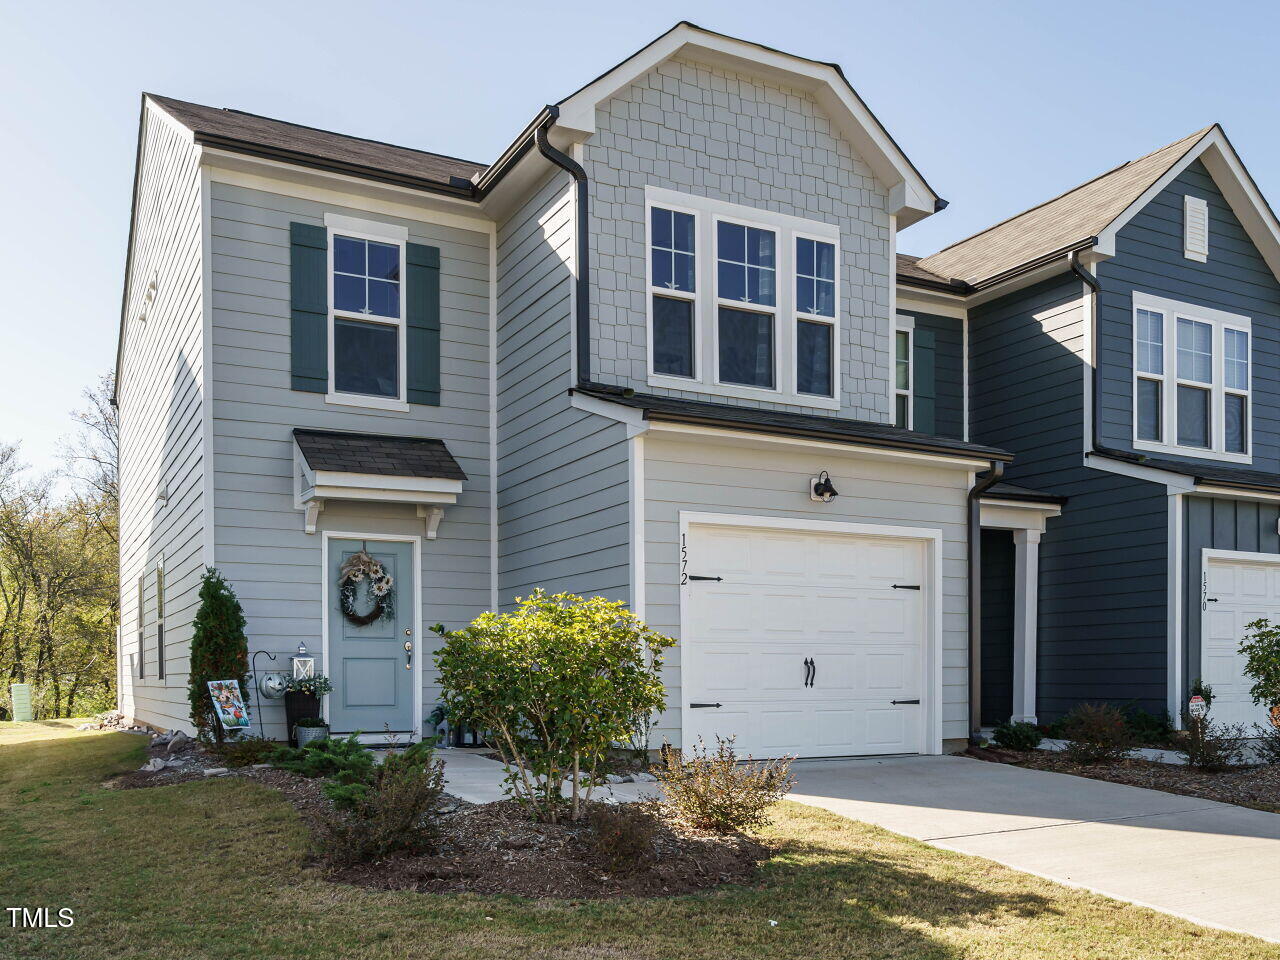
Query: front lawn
211	870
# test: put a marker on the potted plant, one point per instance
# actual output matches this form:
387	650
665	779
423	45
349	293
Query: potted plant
302	702
310	728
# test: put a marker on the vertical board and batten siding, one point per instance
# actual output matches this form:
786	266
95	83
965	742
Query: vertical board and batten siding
160	400
938	355
1103	563
1217	523
998	572
563	485
274	566
1235	278
716	133
706	477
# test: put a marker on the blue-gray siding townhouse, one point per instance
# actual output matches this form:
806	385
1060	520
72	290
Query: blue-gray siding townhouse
664	349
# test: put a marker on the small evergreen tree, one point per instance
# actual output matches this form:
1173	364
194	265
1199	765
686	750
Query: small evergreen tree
219	651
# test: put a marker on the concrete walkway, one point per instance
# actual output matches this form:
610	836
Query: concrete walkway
1212	863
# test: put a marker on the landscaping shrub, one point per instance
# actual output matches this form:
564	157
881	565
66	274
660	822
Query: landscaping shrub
1267	743
1261	649
393	812
1097	733
1015	735
1211	746
219	651
622	835
1154	729
553	684
246	751
347	764
713	791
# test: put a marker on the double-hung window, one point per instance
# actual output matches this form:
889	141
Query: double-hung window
760	290
160	620
366	328
903	372
1192	378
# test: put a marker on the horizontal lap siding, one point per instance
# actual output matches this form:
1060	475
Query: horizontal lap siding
707	477
1149	258
274	566
161	403
1103	563
563	476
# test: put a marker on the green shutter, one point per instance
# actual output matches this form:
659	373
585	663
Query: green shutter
924	386
422	323
309	303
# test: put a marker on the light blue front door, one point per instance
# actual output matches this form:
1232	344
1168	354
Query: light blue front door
372	673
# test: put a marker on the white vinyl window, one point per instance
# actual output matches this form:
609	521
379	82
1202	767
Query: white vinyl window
760	289
366	313
903	373
1191	380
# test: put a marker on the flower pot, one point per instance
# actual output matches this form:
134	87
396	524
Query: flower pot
305	735
299	706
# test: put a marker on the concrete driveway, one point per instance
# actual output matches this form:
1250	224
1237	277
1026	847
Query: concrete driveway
1212	863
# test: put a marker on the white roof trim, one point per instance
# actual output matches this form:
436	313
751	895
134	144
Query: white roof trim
1238	188
910	197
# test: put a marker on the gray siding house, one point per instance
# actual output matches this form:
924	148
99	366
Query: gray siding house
664	349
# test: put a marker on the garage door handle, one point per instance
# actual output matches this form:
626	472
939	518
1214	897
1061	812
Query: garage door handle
904	701
699	706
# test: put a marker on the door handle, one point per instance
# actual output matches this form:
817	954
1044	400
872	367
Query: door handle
904	701
408	654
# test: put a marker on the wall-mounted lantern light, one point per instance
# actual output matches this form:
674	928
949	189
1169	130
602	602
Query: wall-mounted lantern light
821	488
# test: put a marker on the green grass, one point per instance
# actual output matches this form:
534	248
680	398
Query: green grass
213	870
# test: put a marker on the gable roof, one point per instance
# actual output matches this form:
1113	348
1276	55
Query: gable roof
910	272
262	136
378	454
1070	220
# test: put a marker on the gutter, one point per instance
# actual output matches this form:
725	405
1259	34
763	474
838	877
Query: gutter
582	286
980	487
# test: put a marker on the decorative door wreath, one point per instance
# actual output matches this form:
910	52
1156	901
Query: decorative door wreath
356	569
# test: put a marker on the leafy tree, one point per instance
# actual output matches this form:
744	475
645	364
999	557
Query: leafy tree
219	650
1261	649
553	684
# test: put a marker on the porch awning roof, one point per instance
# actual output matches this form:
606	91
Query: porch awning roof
377	454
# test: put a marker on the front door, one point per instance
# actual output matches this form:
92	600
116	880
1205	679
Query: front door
371	671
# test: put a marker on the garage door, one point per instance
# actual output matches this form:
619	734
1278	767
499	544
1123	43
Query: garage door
803	643
1236	593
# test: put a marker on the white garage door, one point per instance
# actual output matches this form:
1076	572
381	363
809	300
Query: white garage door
805	645
1236	592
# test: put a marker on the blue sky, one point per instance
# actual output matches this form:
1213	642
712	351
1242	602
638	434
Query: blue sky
1000	105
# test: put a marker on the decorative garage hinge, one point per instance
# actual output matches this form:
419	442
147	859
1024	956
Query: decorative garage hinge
694	576
906	586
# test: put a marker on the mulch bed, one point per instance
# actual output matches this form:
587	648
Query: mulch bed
1257	787
495	848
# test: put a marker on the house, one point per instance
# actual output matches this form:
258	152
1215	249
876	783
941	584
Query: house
664	349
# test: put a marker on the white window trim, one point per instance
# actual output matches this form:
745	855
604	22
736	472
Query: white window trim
904	324
832	321
707	213
1219	320
379	233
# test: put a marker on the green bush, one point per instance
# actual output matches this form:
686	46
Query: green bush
219	651
393	812
553	685
622	835
1211	746
310	722
1149	728
1261	649
714	791
246	751
1267	742
347	764
1097	733
1015	735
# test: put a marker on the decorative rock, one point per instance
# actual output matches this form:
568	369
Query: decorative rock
616	778
175	762
643	778
178	739
153	765
261	766
216	771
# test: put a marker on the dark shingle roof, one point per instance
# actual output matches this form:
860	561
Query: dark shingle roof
910	272
1056	225
786	423
1224	475
377	454
1012	491
248	132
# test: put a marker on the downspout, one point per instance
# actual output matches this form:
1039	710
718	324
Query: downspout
582	287
1095	356
981	486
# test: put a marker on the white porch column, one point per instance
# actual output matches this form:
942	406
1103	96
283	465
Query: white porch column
1026	545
